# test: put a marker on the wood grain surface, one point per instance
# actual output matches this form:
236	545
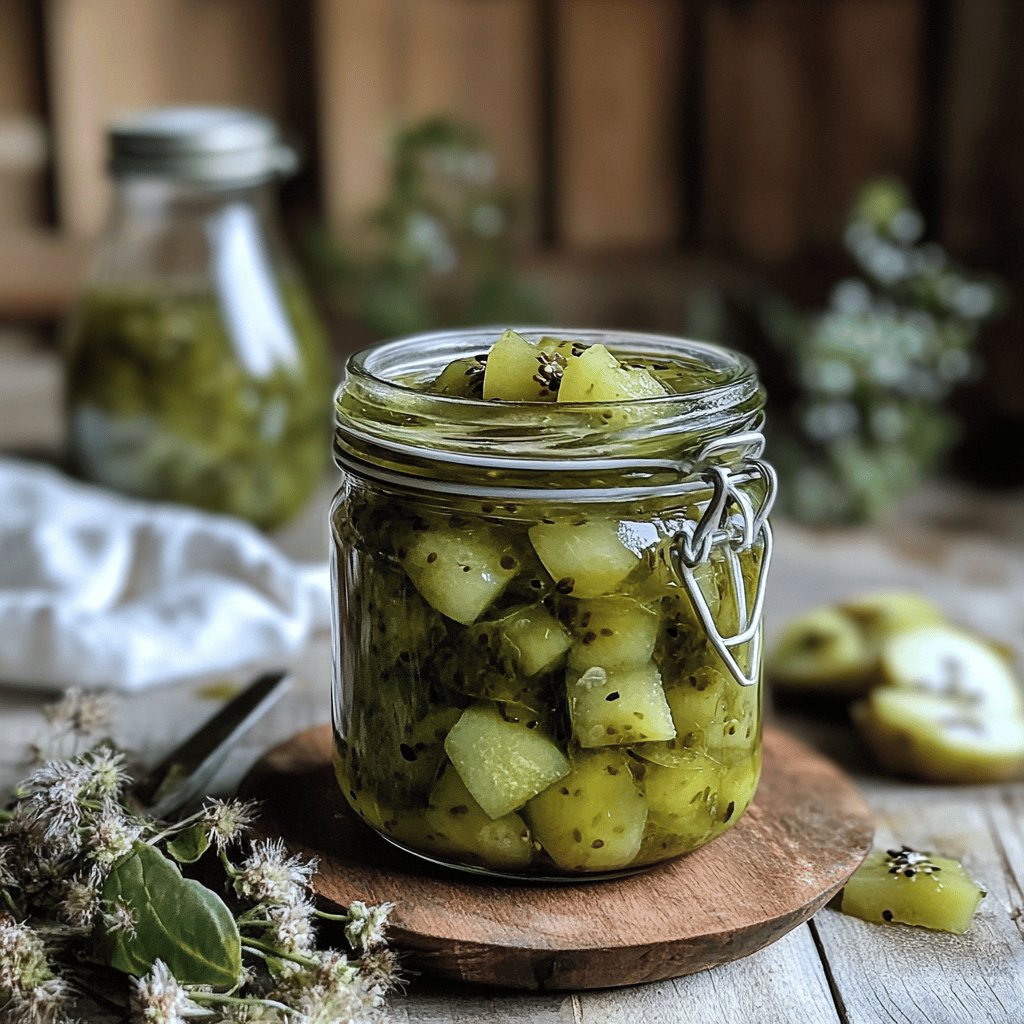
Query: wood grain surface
804	835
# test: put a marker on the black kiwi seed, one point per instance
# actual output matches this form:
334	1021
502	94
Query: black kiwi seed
597	844
508	562
577	835
407	752
887	915
614	695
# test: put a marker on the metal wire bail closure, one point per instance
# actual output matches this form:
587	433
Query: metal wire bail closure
733	533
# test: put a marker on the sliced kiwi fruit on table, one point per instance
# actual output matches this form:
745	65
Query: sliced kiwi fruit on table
906	886
932	700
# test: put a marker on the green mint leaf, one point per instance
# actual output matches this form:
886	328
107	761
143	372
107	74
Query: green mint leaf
177	920
188	846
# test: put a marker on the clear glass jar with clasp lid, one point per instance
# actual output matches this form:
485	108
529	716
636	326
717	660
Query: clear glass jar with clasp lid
547	630
197	370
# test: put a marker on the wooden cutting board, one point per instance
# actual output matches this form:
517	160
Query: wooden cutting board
804	835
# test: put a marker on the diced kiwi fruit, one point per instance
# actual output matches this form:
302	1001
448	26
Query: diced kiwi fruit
682	799
618	707
396	624
661	578
823	648
593	818
698	705
612	632
458	572
537	639
463	378
938	739
597	376
506	659
459	826
736	788
407	747
586	559
503	762
950	662
520	371
731	741
903	886
658	845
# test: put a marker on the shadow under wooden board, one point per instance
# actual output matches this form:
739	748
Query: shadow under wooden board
803	836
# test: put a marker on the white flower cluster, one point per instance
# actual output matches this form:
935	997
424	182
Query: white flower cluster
68	829
30	992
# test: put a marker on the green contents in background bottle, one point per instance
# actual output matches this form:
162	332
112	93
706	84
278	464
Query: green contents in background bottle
197	370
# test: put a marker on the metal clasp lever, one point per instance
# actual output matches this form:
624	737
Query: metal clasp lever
695	542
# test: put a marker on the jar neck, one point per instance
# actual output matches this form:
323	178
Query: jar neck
389	428
182	234
154	199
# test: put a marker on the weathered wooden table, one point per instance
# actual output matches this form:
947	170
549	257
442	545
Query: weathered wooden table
965	553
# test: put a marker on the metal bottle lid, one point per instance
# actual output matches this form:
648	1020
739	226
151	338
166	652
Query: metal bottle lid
201	145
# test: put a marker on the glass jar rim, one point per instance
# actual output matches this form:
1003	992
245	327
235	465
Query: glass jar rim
381	415
368	363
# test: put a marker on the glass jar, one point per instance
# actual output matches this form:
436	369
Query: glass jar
197	370
547	616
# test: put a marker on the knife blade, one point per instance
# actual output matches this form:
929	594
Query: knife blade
186	772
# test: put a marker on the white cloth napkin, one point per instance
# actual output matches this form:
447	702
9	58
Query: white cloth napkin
101	590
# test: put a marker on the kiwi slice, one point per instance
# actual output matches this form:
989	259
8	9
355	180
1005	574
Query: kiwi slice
904	886
938	739
949	662
886	613
823	649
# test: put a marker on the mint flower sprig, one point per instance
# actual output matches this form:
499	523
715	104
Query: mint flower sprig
85	880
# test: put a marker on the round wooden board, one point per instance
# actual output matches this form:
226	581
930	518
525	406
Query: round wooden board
804	835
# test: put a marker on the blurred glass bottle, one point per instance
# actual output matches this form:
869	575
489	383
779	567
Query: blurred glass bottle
197	370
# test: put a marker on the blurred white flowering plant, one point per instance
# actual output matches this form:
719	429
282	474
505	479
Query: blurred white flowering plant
438	251
873	370
101	906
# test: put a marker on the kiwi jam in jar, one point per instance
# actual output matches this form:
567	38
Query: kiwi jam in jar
548	555
197	369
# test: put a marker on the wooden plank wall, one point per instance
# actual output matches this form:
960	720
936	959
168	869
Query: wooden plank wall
107	57
735	129
741	126
23	156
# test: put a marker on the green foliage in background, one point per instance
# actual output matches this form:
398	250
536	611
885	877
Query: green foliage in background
438	251
875	367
